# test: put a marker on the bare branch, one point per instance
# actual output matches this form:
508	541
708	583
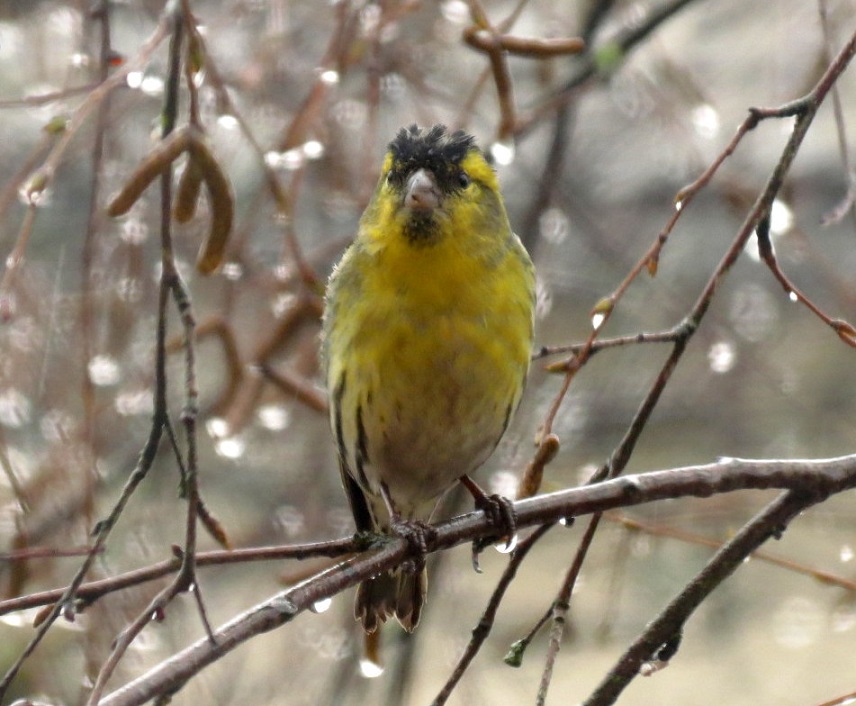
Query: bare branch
810	483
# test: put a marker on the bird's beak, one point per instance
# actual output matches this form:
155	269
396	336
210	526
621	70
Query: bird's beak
421	194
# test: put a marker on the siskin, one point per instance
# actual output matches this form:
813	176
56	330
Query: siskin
426	344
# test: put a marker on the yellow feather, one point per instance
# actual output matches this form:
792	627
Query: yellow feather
427	340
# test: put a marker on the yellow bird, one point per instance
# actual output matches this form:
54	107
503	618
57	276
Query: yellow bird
426	344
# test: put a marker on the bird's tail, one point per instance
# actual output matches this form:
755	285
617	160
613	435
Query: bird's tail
399	594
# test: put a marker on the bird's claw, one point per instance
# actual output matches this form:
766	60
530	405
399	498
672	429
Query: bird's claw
500	513
418	536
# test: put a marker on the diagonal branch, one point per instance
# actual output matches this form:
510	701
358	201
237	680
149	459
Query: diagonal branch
668	626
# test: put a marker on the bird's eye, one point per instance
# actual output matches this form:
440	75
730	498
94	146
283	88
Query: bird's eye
464	180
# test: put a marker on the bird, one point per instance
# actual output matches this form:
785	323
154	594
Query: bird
426	343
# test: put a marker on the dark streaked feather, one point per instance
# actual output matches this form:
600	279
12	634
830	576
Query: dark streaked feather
363	518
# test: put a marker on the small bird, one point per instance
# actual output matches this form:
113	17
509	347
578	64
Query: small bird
426	343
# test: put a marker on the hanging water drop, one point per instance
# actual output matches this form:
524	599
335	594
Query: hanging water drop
781	218
321	606
370	669
508	546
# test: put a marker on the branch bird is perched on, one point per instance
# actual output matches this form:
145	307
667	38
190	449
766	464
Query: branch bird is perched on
426	344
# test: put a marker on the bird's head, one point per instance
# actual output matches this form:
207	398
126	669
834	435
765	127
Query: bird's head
434	181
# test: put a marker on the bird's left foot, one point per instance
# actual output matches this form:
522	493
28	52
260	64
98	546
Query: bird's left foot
500	513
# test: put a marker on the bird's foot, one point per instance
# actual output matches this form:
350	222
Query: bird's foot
418	535
500	513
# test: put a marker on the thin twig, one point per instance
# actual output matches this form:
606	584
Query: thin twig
15	259
849	202
88	593
87	305
820	575
469	105
804	110
50	97
846	331
843	700
492	46
650	259
600	344
561	606
43	553
94	98
11	191
169	284
533	47
482	629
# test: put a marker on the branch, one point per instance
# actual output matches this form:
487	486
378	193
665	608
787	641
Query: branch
88	593
810	480
666	628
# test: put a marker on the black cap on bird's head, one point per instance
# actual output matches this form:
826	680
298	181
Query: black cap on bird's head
429	173
433	149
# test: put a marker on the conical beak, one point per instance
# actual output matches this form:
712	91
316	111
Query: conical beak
421	194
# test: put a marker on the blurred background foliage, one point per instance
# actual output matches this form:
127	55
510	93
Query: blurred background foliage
589	182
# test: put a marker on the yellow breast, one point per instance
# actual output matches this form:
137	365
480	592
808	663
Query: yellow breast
435	347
